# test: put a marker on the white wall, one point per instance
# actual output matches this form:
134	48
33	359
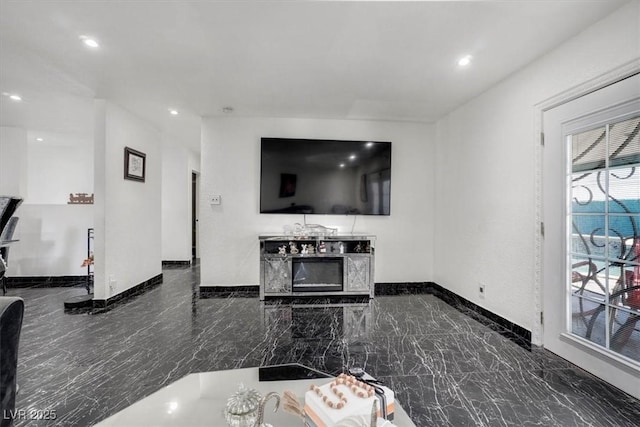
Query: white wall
13	161
485	170
61	164
52	240
128	226
231	168
177	165
51	234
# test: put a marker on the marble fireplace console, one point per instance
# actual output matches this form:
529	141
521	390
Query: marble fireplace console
337	265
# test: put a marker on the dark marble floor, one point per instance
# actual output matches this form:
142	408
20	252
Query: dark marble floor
446	368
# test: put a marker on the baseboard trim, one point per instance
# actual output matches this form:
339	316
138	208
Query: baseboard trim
123	297
46	281
504	327
403	288
249	291
170	263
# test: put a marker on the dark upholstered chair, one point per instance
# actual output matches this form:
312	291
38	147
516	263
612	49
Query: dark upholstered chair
6	236
11	312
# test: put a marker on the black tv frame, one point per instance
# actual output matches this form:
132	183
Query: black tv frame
305	209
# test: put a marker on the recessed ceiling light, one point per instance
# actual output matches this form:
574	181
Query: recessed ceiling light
173	112
465	60
342	165
90	42
39	139
352	157
369	144
15	97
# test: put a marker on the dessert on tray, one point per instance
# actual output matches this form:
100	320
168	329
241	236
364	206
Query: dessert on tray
347	401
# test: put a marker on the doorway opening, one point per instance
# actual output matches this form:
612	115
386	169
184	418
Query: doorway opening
194	216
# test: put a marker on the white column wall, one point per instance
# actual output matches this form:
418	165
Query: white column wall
231	168
128	213
176	210
485	170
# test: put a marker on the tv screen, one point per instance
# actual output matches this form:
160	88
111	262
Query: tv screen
313	176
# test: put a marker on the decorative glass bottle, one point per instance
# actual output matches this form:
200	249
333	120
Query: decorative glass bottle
242	407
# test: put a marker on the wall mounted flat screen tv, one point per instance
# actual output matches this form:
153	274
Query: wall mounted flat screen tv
313	176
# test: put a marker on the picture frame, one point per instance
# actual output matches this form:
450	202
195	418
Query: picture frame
135	164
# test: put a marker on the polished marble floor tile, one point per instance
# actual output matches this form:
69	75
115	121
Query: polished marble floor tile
447	369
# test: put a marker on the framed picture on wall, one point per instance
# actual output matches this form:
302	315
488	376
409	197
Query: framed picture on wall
135	164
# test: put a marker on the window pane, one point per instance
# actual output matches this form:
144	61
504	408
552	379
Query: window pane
587	277
624	283
625	336
588	192
633	252
624	190
588	150
623	232
588	234
624	142
588	319
625	311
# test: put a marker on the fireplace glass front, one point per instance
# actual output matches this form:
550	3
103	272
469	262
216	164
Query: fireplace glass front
318	274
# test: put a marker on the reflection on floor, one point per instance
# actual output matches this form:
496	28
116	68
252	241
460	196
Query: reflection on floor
446	368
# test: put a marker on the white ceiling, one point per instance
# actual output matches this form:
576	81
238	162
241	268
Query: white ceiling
346	60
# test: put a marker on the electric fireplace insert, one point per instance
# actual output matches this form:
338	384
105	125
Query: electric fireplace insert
317	274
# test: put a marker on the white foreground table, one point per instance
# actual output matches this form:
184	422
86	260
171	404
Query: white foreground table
199	400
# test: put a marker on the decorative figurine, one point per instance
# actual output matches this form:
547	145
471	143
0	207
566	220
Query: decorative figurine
304	250
282	250
260	419
322	248
293	248
341	246
80	199
358	248
243	407
311	249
